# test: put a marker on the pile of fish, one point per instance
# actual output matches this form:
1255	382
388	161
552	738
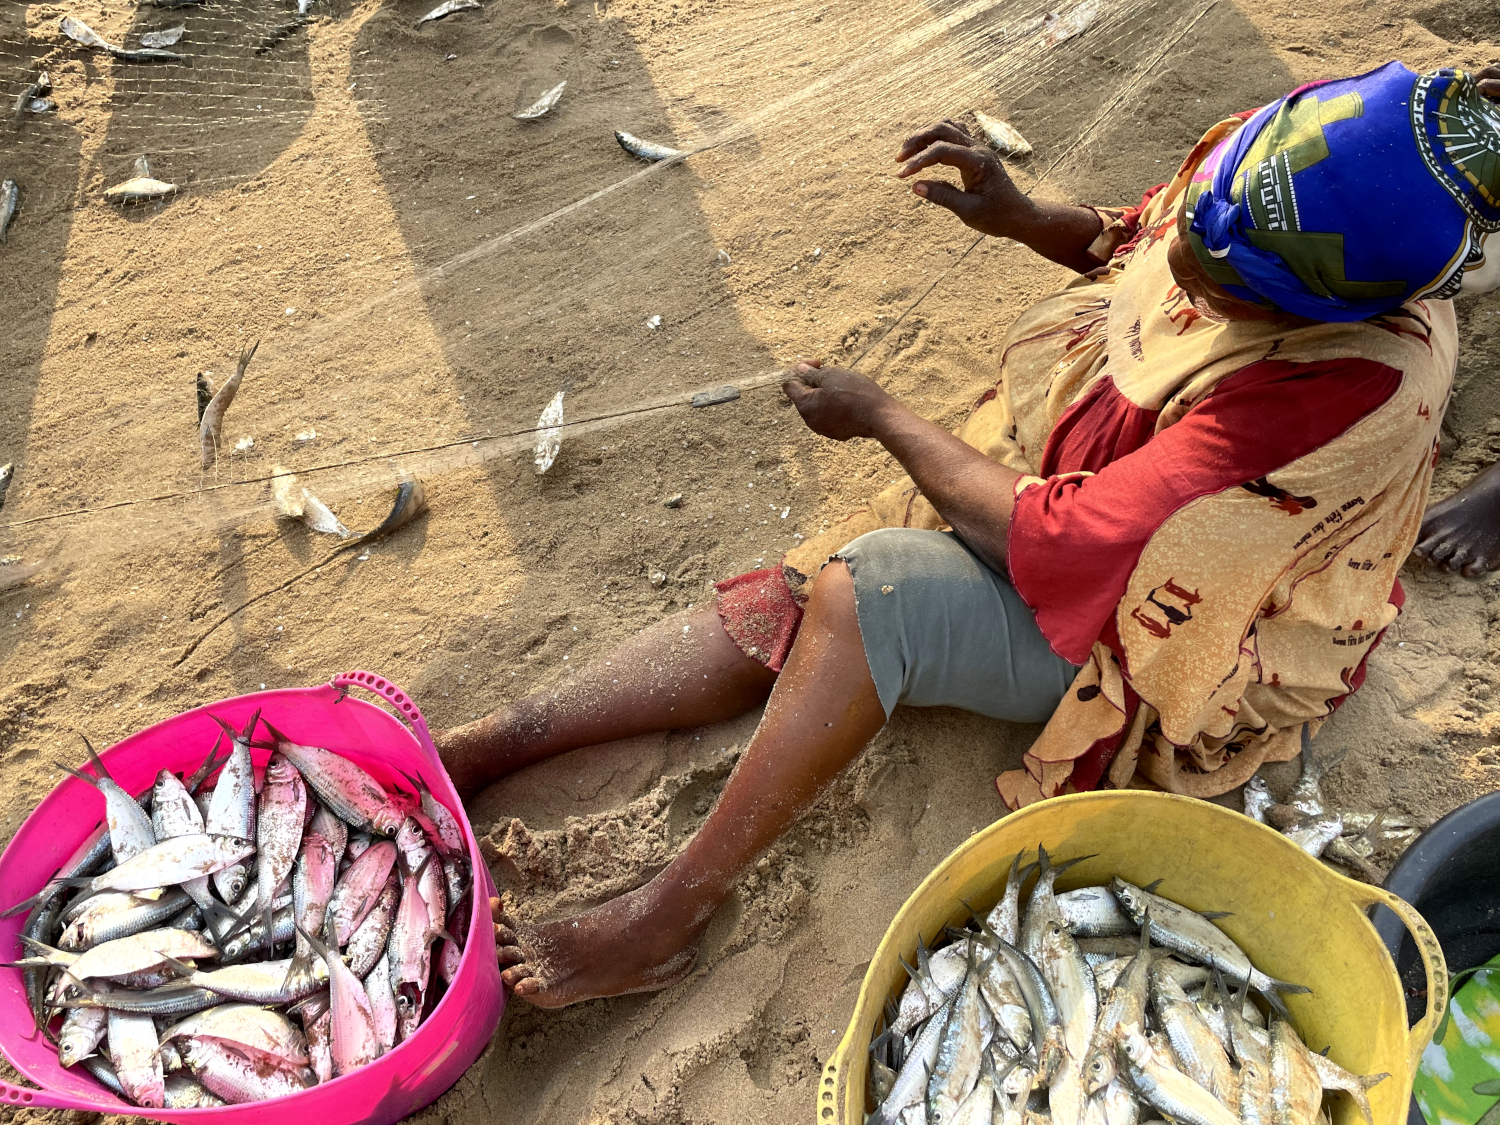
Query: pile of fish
147	956
1309	820
1107	1005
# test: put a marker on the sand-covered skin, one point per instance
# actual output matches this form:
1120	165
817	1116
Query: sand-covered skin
310	230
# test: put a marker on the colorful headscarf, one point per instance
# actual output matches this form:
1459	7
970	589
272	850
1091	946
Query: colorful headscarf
1348	198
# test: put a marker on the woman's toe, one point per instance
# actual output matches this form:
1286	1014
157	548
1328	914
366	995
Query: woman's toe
504	935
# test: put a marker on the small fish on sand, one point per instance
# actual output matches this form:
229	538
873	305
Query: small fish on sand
318	516
443	11
294	502
1002	136
142	188
80	32
7	474
549	433
213	415
166	37
146	55
33	99
646	150
40	105
542	105
10	199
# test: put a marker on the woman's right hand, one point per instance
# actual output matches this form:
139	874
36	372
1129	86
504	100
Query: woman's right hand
989	201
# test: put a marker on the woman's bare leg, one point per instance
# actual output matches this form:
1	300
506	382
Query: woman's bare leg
684	671
822	712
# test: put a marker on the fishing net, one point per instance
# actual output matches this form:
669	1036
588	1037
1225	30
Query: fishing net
535	291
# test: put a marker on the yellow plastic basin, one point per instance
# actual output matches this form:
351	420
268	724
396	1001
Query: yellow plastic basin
1298	920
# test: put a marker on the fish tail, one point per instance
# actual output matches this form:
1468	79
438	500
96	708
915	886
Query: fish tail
181	966
1061	867
35	900
47	951
100	769
299	972
276	734
205	771
254	715
79	774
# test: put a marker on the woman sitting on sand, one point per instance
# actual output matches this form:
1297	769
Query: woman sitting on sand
1173	526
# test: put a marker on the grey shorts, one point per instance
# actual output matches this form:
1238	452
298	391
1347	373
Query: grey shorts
941	629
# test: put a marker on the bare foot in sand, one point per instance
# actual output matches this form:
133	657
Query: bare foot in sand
1462	533
629	944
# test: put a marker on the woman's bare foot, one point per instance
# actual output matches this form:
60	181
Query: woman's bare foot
1462	532
630	944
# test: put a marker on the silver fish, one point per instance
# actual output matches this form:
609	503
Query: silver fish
542	105
443	11
1005	919
1307	794
1334	1077
410	952
447	824
258	982
80	32
417	854
10	199
1002	136
250	1029
355	1042
332	829
107	917
382	1002
1167	1088
232	810
35	93
370	937
1198	1052
646	150
183	1092
1094	912
1314	834
1118	1104
283	929
130	831
40	105
143	187
133	1054
1197	938
359	888
1125	1006
172	862
283	803
911	1081
312	886
168	1000
172	810
1296	1090
317	1027
134	954
1002	993
1041	907
1258	798
348	791
230	1075
1254	1058
1046	1019
81	1033
146	55
956	1070
102	1073
166	37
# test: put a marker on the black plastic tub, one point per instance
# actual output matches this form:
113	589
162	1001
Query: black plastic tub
1452	876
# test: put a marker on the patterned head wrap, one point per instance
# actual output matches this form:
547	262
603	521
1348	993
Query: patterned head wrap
1348	198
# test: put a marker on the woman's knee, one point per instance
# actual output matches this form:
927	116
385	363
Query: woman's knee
832	598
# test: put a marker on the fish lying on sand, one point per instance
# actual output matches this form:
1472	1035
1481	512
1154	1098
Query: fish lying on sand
166	37
33	99
549	433
1002	136
142	188
443	11
212	421
646	150
81	33
542	105
10	199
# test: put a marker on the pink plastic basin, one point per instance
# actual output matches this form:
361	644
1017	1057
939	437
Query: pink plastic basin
394	1086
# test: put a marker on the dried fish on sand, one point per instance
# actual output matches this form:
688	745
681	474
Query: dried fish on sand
212	422
443	11
549	433
142	188
80	32
166	37
1002	136
542	105
10	199
27	101
646	150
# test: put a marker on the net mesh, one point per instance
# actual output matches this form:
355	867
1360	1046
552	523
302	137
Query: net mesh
539	290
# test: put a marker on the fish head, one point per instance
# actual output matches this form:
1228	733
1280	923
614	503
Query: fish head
1131	898
1134	1043
166	780
69	1053
279	771
234	879
1099	1070
388	820
410	835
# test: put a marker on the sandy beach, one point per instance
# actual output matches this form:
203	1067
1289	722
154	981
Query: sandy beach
424	272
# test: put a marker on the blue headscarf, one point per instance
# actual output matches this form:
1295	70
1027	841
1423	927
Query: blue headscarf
1346	199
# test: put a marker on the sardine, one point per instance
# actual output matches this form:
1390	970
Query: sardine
646	150
283	930
1094	912
1041	908
1198	1053
1197	938
172	862
1002	993
1315	833
81	1033
1072	985
348	791
911	1081
418	855
956	1069
283	803
1125	1006
171	999
166	37
249	1029
1046	1019
99	1069
146	55
184	1092
232	810
542	105
382	1003
1258	798
443	11
1002	136
130	831
370	937
258	982
313	881
1253	1057
410	952
332	829
237	1079
359	888
143	187
1296	1091
355	1042
1005	919
1118	1104
136	953
116	914
1169	1090
172	810
133	1055
1334	1077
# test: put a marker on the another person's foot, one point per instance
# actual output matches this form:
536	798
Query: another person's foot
629	944
1462	532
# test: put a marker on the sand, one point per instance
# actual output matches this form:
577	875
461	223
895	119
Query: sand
333	173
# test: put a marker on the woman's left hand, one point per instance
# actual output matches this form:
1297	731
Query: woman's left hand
836	403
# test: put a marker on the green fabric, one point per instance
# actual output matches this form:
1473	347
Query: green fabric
1466	1054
